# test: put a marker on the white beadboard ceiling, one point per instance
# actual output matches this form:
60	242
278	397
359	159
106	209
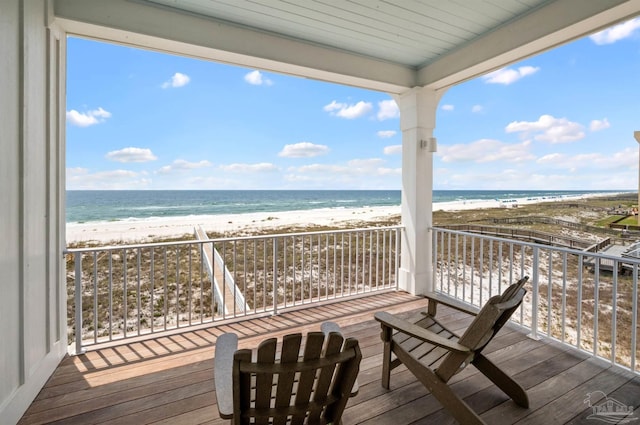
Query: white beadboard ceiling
388	45
410	33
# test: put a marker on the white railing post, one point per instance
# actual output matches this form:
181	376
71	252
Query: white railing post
275	276
77	258
535	279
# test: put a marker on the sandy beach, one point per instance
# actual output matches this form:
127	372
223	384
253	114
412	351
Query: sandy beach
146	230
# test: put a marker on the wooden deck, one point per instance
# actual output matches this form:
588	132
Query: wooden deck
170	379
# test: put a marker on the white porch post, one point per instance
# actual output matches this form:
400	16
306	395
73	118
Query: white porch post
417	120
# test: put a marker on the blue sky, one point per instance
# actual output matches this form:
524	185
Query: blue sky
139	119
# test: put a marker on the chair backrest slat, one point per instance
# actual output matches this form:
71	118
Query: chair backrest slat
325	374
264	381
290	354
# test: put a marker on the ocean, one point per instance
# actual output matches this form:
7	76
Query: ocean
115	205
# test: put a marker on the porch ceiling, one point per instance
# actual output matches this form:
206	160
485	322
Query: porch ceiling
381	45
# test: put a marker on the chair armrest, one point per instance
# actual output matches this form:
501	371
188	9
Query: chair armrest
438	298
422	334
327	328
226	346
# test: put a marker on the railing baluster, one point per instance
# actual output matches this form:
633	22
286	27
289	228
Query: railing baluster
284	271
499	267
455	281
449	263
124	291
342	264
596	300
190	277
201	271
564	296
614	313
335	266
480	286
634	319
95	297
396	266
255	275
110	295
579	302
377	258
177	286
357	260
490	268
166	288
152	284
264	274
139	289
293	268
534	299
275	275
464	268
77	259
549	293
319	285
473	257
370	260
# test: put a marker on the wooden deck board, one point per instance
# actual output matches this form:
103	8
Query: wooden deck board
169	379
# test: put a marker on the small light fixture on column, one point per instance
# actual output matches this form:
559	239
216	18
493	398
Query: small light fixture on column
429	144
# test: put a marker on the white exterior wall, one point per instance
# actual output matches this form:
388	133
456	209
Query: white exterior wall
33	297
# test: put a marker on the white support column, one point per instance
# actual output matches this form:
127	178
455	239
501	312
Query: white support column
418	109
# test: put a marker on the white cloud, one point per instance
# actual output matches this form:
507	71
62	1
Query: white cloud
131	155
597	125
181	164
81	178
388	109
178	80
385	134
507	76
344	110
590	161
86	119
393	150
550	129
447	107
249	168
303	150
617	32
256	78
355	167
477	109
486	150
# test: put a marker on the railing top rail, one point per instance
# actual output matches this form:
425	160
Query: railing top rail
228	239
627	260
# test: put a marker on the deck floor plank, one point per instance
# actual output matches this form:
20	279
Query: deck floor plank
168	379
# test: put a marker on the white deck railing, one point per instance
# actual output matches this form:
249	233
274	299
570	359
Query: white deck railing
584	299
129	291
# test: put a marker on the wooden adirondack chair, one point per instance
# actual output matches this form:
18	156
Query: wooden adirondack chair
434	354
310	387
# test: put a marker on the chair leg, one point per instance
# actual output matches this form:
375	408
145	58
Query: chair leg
456	407
502	380
386	336
386	364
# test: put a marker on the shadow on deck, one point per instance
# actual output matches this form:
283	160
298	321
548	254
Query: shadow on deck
169	379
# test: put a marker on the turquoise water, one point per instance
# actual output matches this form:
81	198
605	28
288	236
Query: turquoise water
110	205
